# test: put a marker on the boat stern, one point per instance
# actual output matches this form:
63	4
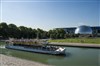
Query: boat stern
61	50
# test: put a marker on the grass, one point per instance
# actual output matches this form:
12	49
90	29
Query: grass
77	40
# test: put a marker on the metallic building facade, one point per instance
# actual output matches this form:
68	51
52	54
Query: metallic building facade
71	30
83	30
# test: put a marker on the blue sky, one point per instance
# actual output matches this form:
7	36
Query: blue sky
49	14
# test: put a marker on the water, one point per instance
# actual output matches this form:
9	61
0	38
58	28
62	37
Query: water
74	57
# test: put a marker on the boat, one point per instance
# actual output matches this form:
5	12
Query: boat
43	47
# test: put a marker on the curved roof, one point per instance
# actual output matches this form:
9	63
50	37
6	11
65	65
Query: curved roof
83	30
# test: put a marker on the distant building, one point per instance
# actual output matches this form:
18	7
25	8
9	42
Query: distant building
95	30
83	30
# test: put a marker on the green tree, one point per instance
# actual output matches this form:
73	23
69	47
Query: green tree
14	32
23	32
4	30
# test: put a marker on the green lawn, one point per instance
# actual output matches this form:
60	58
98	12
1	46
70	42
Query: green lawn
78	40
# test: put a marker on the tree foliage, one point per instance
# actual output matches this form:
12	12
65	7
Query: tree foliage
13	31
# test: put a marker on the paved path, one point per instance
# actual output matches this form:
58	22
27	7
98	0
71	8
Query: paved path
76	44
12	61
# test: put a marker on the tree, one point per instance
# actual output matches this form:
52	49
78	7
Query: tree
41	34
14	32
23	32
4	30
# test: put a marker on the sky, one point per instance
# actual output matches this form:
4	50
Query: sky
49	14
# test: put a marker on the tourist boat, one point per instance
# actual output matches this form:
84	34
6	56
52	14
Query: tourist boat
38	48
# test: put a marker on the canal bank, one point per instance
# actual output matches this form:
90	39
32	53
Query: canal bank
13	61
75	44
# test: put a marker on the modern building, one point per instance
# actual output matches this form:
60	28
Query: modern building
94	29
83	30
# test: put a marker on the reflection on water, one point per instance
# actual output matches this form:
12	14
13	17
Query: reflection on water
68	54
74	56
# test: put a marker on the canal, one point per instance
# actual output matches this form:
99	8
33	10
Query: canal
74	56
